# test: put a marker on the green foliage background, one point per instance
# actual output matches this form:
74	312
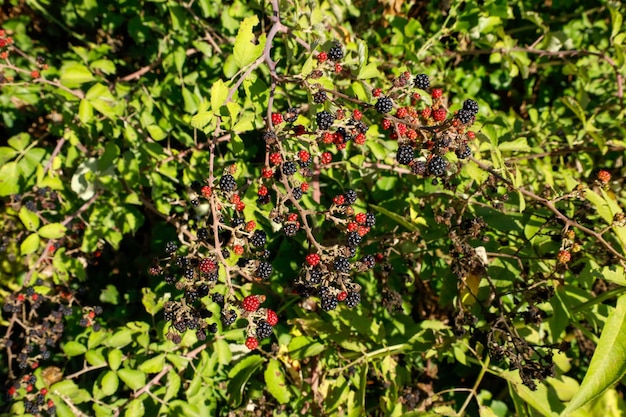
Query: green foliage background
136	93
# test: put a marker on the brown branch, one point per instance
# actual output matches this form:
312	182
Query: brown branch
549	204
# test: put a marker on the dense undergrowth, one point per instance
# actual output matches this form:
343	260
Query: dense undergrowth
312	208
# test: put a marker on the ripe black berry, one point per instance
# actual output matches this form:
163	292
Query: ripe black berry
228	183
315	275
324	120
296	193
258	238
354	239
421	81
228	317
341	264
289	168
471	106
170	247
218	298
465	116
369	261
350	197
320	97
291	115
335	53
264	270
405	154
384	105
418	167
263	329
370	219
328	303
352	299
437	166
463	152
290	229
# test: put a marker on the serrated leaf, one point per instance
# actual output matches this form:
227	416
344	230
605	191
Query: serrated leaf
608	363
109	383
74	349
74	74
52	231
239	376
245	50
133	378
30	244
153	365
275	382
517	145
29	219
173	385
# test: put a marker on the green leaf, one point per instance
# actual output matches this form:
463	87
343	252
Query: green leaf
120	338
275	382
115	359
245	51
103	101
9	179
135	409
74	74
110	294
109	383
156	132
30	244
133	378
52	231
29	219
95	357
20	141
542	400
395	217
368	71
239	376
85	111
74	349
104	65
153	365
219	92
575	107
6	154
608	363
173	385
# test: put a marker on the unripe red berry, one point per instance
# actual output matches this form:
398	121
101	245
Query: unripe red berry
277	118
206	191
262	191
252	343
322	56
327	157
250	226
563	256
439	115
251	303
238	250
356	114
342	296
436	93
267	172
276	158
359	139
313	259
604	176
272	317
377	92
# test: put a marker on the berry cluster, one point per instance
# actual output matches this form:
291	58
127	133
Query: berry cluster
424	133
